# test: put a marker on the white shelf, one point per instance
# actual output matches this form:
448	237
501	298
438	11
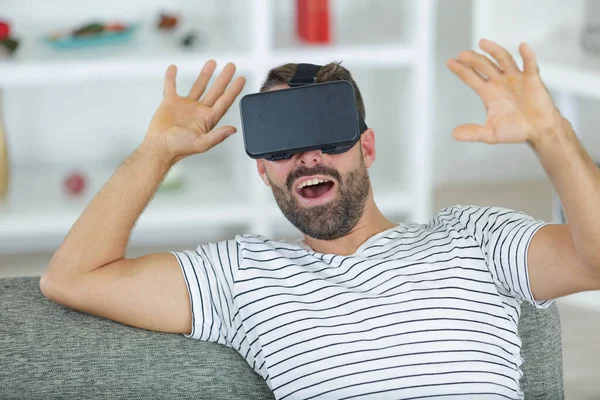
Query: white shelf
149	52
362	34
39	211
29	72
380	55
145	56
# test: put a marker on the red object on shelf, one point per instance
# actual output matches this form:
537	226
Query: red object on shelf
75	183
4	30
167	21
312	21
114	27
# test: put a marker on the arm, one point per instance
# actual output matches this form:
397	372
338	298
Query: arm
565	259
89	271
562	259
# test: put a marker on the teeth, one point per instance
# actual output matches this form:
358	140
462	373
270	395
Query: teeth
311	182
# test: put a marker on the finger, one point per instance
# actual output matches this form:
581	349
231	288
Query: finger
216	136
467	74
170	87
226	100
200	84
500	54
220	84
472	133
530	65
482	63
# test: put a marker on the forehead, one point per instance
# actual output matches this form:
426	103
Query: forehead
278	87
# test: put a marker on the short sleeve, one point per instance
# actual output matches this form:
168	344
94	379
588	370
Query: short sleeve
208	274
504	237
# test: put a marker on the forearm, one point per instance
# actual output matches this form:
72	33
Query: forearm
101	234
576	179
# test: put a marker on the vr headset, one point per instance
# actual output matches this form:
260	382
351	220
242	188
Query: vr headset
307	116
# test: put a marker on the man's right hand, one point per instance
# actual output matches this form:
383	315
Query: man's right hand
184	125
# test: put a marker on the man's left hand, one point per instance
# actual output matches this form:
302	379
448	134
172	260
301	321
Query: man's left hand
519	107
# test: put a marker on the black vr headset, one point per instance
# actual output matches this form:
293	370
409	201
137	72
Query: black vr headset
308	116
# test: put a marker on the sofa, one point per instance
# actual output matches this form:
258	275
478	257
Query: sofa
48	351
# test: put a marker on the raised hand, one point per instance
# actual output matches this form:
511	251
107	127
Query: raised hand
184	125
519	107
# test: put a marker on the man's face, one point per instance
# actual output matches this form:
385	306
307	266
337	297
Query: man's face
322	195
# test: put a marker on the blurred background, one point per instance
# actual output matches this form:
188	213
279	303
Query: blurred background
79	82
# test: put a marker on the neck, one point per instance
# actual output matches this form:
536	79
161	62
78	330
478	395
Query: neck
371	223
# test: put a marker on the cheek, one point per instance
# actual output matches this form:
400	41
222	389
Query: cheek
348	161
278	171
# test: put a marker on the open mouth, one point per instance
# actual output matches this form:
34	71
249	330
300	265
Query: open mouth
311	189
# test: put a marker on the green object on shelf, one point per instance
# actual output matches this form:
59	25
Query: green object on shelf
89	29
173	181
190	39
171	186
10	44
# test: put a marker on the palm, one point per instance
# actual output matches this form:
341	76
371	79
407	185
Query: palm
518	104
505	122
184	124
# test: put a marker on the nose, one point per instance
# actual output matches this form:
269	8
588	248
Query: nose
309	158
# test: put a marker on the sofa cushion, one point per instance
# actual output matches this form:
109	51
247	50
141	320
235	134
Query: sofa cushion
49	351
539	330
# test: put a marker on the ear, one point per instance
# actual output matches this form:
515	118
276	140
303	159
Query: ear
262	171
367	144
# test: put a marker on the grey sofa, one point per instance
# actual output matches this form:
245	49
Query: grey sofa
48	351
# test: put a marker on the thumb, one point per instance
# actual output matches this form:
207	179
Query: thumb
217	136
471	133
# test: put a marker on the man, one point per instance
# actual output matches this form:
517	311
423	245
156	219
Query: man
361	307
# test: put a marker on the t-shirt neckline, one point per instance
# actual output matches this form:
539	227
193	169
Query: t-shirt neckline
360	248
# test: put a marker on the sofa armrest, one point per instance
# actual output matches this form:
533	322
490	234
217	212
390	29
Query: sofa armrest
49	351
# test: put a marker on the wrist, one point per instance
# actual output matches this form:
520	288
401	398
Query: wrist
553	135
158	152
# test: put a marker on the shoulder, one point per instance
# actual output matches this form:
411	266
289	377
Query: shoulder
472	214
453	216
484	224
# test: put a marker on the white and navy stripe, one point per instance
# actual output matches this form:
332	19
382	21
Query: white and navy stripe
418	311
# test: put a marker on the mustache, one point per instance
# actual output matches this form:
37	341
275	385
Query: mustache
317	170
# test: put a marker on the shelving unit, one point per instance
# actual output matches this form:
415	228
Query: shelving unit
392	62
552	28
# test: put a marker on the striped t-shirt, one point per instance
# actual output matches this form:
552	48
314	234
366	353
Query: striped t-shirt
419	311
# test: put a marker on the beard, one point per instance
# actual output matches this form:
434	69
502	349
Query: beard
331	220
